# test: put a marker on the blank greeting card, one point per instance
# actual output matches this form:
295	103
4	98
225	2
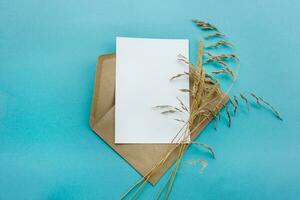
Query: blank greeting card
143	71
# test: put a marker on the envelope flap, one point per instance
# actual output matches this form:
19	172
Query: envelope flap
104	89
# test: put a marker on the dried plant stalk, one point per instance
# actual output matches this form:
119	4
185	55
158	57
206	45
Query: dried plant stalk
179	75
206	146
204	90
214	35
222	57
228	116
219	44
246	101
205	25
260	101
226	70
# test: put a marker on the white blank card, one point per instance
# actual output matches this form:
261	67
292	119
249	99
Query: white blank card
143	71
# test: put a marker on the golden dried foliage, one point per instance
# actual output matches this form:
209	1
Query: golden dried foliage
204	90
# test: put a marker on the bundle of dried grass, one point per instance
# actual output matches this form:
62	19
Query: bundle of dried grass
204	91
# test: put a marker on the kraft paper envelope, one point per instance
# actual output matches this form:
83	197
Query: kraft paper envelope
102	118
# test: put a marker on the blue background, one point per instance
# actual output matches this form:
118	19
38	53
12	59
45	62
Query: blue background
48	52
